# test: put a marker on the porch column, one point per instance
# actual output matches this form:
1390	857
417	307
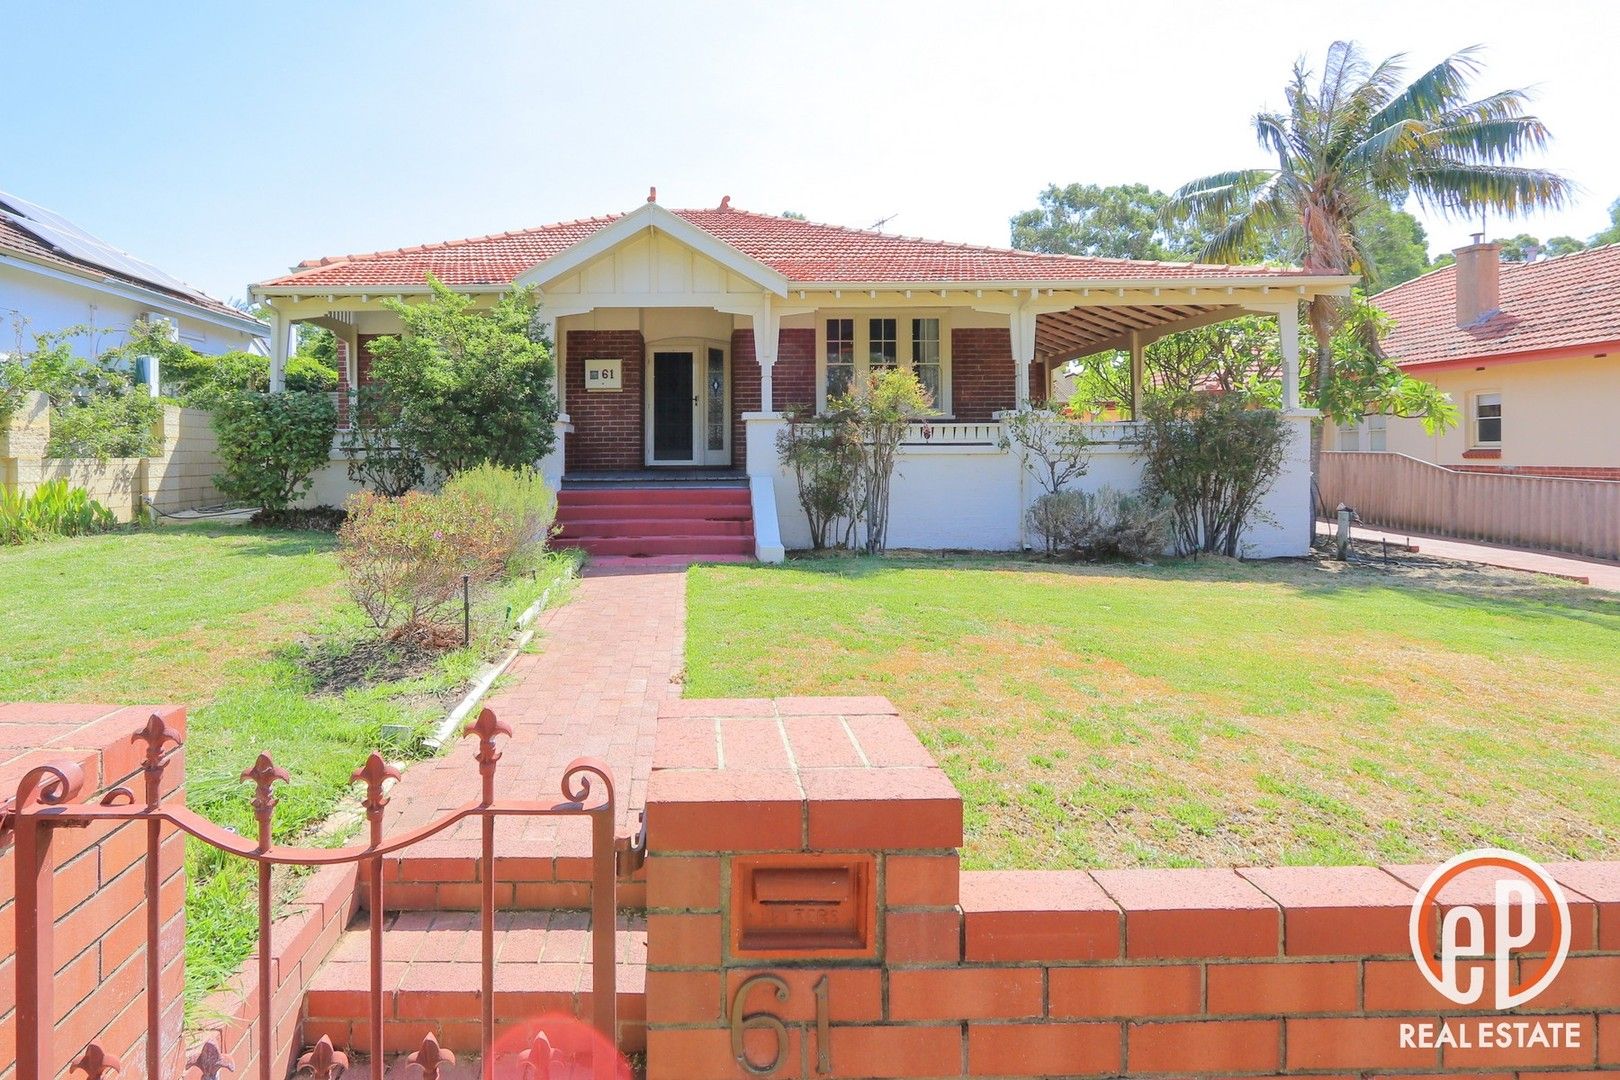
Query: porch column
545	323
1136	375
767	331
280	338
1023	347
1288	331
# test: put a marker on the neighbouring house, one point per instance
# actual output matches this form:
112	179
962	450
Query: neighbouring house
54	276
1530	354
682	335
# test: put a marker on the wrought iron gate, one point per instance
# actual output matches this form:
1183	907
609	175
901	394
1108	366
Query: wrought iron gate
48	799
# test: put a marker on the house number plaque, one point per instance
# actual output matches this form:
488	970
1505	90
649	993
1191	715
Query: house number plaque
604	375
743	1021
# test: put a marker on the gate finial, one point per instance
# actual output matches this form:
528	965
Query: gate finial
375	772
537	1058
430	1057
209	1060
323	1062
96	1063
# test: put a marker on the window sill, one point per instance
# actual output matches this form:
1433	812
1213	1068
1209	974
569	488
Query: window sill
1486	453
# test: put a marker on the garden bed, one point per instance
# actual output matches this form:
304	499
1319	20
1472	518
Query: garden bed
224	620
1211	713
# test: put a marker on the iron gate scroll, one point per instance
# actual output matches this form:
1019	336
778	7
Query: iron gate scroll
48	799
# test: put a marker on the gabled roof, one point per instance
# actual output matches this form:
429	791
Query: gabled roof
1557	304
802	252
42	236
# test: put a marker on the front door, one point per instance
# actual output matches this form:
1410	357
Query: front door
674	408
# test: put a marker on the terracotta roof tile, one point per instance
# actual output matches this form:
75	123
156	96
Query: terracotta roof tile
1559	303
800	251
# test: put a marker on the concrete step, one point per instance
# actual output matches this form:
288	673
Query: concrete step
603	527
647	496
653	512
664	545
431	979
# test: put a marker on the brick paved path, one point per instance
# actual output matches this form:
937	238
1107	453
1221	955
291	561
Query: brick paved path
608	657
1598	573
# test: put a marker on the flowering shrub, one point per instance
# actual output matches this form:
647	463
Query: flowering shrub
521	506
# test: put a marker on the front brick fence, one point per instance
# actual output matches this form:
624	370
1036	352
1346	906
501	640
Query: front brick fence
938	972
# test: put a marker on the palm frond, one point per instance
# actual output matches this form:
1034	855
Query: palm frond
1490	140
1431	93
1462	189
1502	105
1248	226
1217	194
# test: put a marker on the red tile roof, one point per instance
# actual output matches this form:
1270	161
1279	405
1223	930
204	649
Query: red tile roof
801	251
1556	304
16	239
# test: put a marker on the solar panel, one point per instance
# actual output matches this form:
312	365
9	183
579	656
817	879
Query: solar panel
72	241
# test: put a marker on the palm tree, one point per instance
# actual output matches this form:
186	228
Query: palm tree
1359	138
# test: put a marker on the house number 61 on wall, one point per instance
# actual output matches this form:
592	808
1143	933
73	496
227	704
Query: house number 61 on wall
742	1022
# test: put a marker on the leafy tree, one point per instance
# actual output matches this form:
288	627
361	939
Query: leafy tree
318	343
470	386
794	215
1357	136
1611	235
1563	245
97	409
1123	221
1395	247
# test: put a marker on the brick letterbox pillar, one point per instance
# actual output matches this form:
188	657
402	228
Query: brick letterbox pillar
799	851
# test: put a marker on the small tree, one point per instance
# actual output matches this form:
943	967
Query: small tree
878	411
271	445
1213	457
825	456
470	386
1054	451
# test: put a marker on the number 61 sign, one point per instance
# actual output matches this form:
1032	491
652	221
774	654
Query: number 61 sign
743	1021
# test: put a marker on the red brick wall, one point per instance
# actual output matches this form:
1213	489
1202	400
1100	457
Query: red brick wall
982	373
793	380
362	363
100	893
1203	972
607	426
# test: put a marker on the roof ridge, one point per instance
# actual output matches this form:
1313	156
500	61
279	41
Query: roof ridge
963	245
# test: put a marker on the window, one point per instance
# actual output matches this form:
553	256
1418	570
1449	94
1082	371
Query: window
925	354
1349	437
840	354
883	344
1487	419
853	347
1377	432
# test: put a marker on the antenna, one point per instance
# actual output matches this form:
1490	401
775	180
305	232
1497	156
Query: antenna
880	222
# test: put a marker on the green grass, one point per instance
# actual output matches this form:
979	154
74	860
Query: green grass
215	619
1217	713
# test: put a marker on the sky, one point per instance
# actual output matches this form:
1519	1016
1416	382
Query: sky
225	142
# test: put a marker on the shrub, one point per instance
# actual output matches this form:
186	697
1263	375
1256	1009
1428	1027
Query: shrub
1051	517
825	456
380	455
519	503
271	444
1110	524
106	425
404	558
877	413
54	509
1211	458
1055	450
471	386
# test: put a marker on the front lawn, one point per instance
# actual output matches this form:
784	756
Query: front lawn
221	619
1213	713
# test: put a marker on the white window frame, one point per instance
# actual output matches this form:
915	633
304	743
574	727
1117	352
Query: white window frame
1473	419
905	346
1377	433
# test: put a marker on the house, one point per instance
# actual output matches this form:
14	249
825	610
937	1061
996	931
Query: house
1530	354
682	335
54	276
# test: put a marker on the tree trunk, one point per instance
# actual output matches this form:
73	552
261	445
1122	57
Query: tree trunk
1324	317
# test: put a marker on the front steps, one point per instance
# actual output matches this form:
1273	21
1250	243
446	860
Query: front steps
690	519
431	978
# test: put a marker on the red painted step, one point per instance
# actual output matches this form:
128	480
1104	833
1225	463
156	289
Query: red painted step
658	520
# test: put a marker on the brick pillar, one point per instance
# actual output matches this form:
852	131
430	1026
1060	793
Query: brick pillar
802	869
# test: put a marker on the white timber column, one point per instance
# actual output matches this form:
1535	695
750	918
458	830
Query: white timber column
1288	331
545	323
280	341
1136	374
1022	325
767	333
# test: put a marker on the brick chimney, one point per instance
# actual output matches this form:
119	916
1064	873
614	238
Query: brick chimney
1479	276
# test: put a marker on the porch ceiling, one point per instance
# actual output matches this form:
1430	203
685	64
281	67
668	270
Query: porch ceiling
1081	331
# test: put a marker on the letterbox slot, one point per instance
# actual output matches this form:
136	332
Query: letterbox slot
789	885
800	905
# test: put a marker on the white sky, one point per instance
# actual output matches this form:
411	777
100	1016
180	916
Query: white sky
227	143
